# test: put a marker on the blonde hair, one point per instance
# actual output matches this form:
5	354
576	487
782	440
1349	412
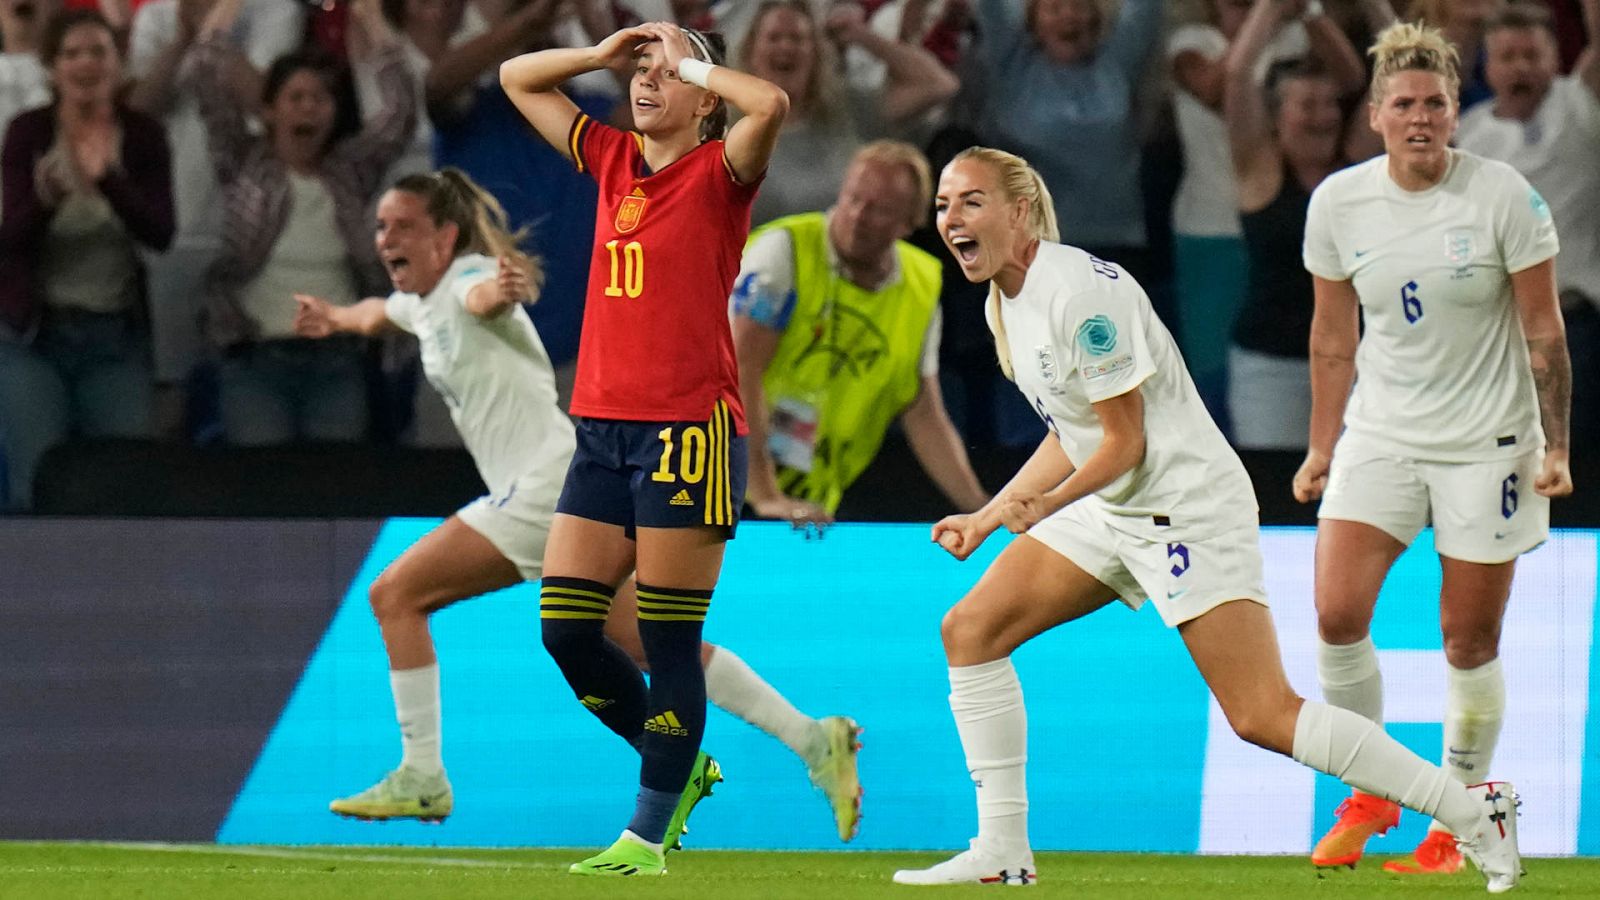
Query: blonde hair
1411	46
1019	181
481	223
900	153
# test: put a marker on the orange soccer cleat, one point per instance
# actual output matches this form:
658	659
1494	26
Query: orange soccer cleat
1436	855
1360	817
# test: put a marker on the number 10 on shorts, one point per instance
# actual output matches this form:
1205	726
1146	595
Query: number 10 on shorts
691	461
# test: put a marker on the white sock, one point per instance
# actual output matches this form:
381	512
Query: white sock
416	707
628	835
1350	677
735	687
1474	707
1358	752
993	723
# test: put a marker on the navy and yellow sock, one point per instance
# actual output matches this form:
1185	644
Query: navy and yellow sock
572	619
670	625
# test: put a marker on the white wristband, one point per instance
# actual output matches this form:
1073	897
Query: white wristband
694	71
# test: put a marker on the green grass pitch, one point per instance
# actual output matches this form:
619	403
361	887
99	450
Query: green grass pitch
56	871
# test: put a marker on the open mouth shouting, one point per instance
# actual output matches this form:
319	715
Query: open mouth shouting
965	248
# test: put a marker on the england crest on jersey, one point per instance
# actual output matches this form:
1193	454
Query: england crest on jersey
1045	356
1459	247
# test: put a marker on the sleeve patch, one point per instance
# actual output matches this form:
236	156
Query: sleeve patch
1101	369
1098	336
755	299
1541	209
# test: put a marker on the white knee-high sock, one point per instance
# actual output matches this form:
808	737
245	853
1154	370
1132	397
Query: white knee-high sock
416	707
987	702
1350	677
1357	751
1475	705
735	687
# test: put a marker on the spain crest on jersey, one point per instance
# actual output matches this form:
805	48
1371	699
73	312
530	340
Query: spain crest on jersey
631	211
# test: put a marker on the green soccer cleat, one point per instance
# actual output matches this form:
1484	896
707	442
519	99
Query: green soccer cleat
626	857
835	773
705	774
402	794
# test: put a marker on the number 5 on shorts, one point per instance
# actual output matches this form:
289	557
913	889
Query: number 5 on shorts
692	461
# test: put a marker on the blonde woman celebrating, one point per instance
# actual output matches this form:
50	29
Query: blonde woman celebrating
1133	494
1459	417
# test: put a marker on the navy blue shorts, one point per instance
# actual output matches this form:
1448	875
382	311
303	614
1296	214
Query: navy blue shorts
657	474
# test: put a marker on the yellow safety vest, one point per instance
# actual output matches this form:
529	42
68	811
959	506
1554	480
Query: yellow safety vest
849	359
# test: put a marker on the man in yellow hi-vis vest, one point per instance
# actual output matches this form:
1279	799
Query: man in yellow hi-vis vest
836	325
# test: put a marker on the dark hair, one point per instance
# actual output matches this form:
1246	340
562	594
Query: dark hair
481	223
55	32
333	74
394	11
715	124
1521	15
1285	71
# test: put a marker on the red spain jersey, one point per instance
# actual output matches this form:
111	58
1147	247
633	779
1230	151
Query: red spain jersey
656	344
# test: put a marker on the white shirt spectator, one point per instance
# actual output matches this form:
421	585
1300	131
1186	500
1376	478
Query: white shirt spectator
264	31
23	86
1558	151
1207	203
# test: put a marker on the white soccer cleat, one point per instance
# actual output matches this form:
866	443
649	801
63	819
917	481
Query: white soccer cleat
1494	849
402	794
975	865
835	773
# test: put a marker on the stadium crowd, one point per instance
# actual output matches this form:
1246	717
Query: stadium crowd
174	172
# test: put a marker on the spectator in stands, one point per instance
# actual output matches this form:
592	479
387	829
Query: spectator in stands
1462	22
296	201
836	326
23	82
83	182
428	29
937	26
1285	137
827	122
163	74
1548	127
1058	88
1209	247
481	133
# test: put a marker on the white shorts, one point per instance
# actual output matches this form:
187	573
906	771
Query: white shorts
517	522
1184	578
1482	512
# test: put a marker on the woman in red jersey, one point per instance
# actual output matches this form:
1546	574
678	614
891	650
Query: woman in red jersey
658	476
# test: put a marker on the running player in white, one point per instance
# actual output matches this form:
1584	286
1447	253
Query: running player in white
1133	494
459	284
1459	416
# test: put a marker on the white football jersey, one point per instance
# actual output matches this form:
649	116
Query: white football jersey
493	373
1442	371
1081	330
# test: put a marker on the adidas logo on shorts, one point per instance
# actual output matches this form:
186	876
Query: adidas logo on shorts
681	498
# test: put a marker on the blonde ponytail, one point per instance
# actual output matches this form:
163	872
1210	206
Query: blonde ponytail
1020	181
